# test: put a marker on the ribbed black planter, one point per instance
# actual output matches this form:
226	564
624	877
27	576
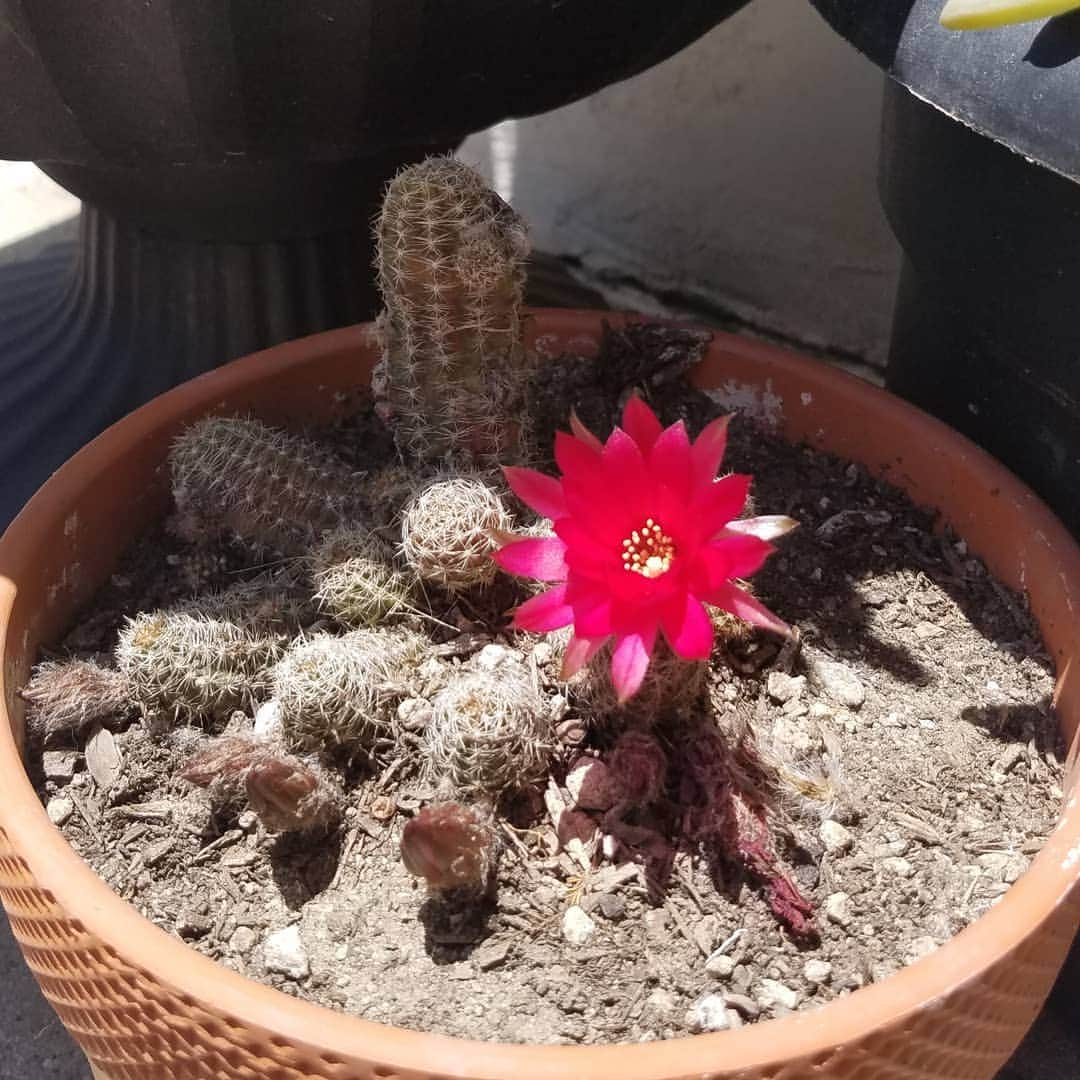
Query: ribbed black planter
231	154
980	158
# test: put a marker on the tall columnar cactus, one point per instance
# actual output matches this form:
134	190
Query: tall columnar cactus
344	691
188	665
451	264
273	489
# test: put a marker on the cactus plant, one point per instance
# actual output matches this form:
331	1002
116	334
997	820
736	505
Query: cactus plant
490	731
449	529
343	691
187	664
273	489
69	696
451	269
356	580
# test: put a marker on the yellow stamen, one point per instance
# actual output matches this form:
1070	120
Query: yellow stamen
649	551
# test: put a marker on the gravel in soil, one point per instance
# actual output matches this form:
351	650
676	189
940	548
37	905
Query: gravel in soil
915	723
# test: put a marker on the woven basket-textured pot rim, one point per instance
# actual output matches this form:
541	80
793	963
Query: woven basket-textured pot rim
1000	518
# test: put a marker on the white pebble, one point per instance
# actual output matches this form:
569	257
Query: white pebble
840	683
899	867
776	993
577	927
720	966
59	810
835	837
817	972
709	1013
284	952
59	764
783	688
839	909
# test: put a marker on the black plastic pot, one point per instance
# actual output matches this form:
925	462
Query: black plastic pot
231	154
980	157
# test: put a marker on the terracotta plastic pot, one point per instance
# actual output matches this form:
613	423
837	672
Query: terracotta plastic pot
143	1005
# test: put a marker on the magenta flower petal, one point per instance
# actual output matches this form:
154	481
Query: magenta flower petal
640	423
748	608
645	536
630	661
687	627
670	458
708	450
548	611
583	433
579	651
542	558
732	556
539	492
721	502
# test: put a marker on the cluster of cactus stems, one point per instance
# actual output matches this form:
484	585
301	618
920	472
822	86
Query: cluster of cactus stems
361	549
451	267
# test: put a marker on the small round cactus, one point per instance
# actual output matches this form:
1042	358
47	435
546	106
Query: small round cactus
344	691
187	665
446	534
356	580
273	489
490	732
452	847
451	263
69	696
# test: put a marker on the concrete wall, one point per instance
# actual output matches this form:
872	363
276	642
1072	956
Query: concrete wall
738	177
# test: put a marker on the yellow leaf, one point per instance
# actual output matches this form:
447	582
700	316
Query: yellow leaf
984	14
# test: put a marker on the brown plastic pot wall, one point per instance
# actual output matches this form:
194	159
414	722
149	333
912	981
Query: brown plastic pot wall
146	1007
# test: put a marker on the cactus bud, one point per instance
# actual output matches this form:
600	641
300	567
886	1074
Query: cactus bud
451	847
69	696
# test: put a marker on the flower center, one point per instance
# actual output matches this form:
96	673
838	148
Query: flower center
648	551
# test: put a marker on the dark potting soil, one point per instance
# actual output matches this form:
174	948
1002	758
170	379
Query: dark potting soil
913	729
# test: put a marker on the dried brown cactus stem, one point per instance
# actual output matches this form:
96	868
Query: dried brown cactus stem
453	847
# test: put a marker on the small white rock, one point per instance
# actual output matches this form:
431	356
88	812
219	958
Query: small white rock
835	837
709	1013
577	927
840	683
284	952
247	820
897	866
839	909
243	940
268	718
659	1007
491	657
59	765
59	810
920	947
591	785
782	687
817	972
720	966
776	993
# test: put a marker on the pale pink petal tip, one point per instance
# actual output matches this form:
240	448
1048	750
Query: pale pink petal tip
542	558
629	662
539	492
579	651
766	527
548	611
583	433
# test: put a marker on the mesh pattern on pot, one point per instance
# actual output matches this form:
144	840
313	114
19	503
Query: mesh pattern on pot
134	1028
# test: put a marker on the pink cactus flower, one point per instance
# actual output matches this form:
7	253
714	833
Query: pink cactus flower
646	535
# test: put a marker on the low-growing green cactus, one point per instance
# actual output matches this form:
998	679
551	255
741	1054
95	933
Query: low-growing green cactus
189	665
344	691
356	580
451	264
490	732
69	696
272	489
447	532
